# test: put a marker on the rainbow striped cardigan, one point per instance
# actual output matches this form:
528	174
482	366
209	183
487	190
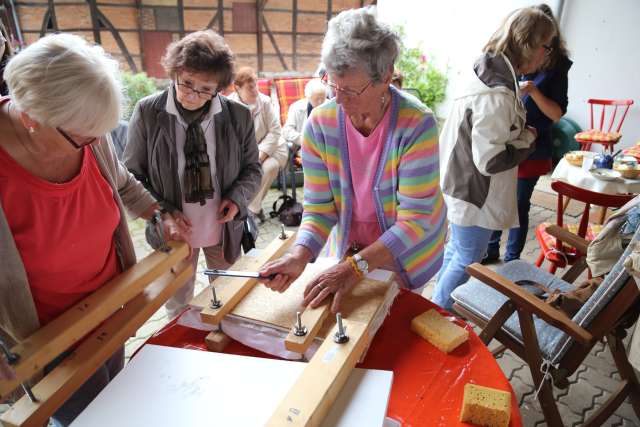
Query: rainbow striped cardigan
406	191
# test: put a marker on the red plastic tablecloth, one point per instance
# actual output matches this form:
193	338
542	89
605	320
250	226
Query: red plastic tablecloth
428	384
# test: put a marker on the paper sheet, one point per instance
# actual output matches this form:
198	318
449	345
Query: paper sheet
165	386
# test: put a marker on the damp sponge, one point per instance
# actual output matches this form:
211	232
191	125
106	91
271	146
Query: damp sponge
440	332
485	406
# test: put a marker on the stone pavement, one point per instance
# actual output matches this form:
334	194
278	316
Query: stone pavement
589	387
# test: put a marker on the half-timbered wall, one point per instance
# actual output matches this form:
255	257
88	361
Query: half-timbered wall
272	36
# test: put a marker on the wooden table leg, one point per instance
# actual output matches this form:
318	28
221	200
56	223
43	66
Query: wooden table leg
602	214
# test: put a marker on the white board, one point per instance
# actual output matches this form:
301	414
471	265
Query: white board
165	386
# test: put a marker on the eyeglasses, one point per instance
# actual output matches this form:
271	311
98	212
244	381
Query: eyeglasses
547	49
87	141
204	94
345	91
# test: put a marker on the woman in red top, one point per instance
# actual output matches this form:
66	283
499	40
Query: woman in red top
63	231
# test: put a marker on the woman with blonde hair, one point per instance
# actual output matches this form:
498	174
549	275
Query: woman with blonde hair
63	193
483	140
196	151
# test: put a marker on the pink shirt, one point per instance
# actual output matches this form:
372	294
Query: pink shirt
364	156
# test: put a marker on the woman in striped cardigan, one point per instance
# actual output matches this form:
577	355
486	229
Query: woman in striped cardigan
370	158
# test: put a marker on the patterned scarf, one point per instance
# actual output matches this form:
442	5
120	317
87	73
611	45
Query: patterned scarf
196	180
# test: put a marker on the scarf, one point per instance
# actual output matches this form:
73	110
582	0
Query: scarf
196	180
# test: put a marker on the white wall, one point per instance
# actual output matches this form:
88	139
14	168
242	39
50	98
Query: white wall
604	40
603	37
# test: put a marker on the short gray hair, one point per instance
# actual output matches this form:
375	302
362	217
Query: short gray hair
63	81
314	86
356	39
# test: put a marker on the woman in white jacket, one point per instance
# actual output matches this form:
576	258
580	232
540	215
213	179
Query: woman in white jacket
483	141
272	148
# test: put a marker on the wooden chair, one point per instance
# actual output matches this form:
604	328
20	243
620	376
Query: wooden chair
289	90
551	343
558	254
607	132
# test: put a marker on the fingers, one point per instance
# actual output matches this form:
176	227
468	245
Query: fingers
337	300
312	293
324	293
311	285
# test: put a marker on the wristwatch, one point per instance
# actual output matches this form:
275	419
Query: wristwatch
361	263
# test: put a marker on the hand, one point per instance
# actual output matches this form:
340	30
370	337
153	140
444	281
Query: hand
227	211
338	280
176	226
533	130
528	88
6	371
287	269
263	156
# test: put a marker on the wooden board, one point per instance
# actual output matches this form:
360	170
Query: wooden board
264	307
231	290
309	400
57	336
56	387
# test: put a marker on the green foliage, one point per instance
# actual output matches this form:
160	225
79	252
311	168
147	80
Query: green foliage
421	75
136	87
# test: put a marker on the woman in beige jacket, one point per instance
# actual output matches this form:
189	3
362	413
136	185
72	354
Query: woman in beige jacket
273	149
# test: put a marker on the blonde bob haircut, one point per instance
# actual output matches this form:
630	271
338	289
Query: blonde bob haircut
521	34
62	81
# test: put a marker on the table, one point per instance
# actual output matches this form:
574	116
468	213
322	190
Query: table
427	385
579	177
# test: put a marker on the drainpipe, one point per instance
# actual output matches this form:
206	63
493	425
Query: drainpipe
560	13
16	23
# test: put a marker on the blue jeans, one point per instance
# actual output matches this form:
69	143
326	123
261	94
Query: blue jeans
466	245
517	235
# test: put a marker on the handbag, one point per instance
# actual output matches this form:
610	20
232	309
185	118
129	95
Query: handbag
289	213
249	234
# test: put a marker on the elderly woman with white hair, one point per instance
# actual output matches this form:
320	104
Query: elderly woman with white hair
370	159
315	93
63	193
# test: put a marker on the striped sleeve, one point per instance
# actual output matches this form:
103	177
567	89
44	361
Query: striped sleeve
320	212
420	207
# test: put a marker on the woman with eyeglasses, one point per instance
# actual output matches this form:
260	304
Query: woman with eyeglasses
544	93
482	142
272	149
63	193
196	151
370	158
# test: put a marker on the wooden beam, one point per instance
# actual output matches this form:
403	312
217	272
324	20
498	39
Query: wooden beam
259	34
181	17
116	35
52	14
50	341
294	35
139	20
312	319
329	9
55	388
93	9
230	290
309	400
220	13
274	43
213	20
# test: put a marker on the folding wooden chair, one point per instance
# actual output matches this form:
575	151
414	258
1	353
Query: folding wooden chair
551	343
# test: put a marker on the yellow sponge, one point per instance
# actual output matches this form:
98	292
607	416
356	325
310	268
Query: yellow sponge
443	334
485	406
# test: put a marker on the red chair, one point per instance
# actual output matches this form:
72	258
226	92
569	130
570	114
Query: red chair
264	86
553	250
289	90
606	133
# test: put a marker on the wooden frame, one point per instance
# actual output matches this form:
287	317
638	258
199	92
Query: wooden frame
313	319
70	327
611	323
231	290
102	323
